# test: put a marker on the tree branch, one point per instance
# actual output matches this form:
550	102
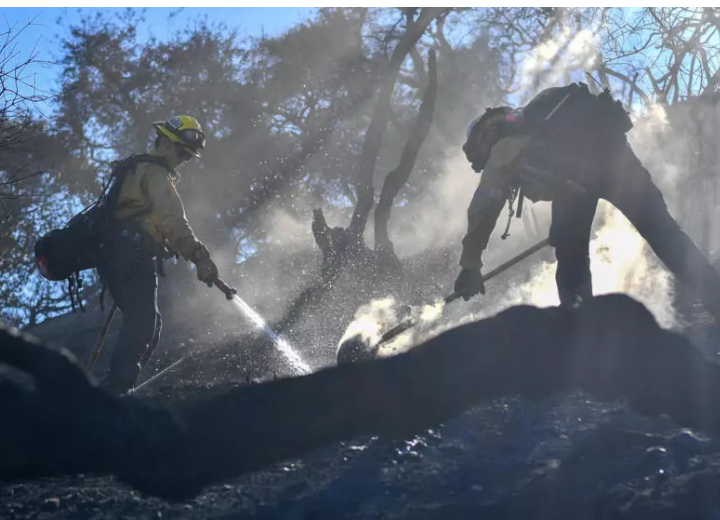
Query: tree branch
646	99
378	123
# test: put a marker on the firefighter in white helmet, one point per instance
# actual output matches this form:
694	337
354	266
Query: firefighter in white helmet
570	147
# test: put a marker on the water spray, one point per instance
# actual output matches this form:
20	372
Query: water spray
291	356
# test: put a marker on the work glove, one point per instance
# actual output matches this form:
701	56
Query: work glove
469	283
207	271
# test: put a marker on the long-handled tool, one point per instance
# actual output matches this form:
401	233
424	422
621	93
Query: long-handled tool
410	322
101	337
159	374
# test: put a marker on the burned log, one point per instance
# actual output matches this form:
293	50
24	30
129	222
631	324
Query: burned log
611	347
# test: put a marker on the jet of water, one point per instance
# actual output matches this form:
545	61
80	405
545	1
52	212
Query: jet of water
291	355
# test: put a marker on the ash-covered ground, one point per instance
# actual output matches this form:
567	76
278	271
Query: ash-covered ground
568	456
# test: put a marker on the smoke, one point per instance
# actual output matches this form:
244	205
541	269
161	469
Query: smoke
439	217
662	149
436	219
552	62
379	316
371	321
620	259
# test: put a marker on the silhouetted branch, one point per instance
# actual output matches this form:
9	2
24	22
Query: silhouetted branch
378	123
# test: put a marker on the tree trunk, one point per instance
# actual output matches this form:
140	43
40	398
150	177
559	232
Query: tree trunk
378	123
397	178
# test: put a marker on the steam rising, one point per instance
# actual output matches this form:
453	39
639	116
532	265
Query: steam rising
551	62
621	261
370	320
434	218
439	218
377	317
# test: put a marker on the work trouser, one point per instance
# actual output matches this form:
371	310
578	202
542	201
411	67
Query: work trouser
572	217
131	276
628	186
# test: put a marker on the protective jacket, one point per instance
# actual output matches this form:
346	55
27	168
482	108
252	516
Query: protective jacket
506	169
149	198
585	149
564	139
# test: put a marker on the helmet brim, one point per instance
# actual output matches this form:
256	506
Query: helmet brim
162	130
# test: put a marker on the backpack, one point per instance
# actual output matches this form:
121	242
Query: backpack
572	113
571	121
63	253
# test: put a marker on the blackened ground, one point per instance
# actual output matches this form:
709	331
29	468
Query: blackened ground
562	457
566	457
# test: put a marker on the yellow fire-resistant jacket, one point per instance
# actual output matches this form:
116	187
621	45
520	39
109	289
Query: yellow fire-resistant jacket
504	165
150	197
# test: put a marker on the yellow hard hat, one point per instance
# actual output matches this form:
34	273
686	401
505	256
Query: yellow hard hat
184	130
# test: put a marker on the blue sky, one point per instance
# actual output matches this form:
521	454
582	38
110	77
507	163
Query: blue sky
49	25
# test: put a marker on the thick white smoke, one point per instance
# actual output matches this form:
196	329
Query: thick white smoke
552	62
439	217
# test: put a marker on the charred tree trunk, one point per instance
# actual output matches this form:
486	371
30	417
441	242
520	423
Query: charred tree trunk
397	178
338	246
378	123
341	247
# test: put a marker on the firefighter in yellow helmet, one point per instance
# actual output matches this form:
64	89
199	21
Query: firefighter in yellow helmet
149	224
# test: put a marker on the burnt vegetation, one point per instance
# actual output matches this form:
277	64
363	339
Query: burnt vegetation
326	184
612	348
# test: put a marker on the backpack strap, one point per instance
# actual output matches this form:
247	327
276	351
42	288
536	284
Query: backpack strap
134	160
127	166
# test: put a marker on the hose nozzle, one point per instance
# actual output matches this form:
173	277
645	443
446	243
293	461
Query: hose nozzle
228	291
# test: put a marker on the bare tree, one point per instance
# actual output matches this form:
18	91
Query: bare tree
18	96
415	28
341	247
666	54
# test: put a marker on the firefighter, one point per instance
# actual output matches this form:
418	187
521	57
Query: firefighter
569	146
150	224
